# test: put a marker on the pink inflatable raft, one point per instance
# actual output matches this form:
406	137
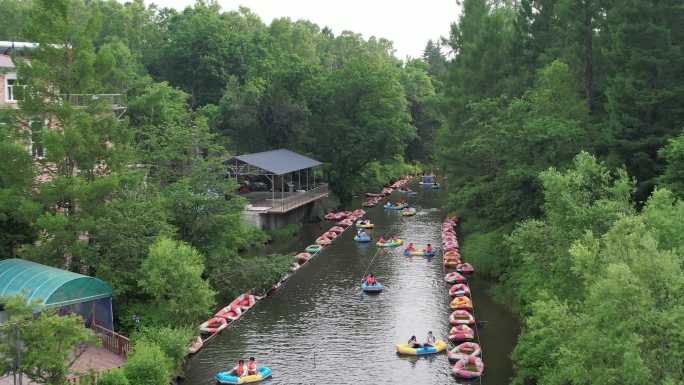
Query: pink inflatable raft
469	367
464	350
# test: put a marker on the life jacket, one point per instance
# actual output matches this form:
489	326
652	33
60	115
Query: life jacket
251	367
240	370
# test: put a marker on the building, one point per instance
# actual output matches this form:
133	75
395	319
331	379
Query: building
8	82
59	289
289	189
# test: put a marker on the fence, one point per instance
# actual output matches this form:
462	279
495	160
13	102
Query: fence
288	203
113	341
117	101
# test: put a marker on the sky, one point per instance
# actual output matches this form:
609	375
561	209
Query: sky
408	23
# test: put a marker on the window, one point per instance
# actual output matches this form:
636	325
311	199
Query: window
10	90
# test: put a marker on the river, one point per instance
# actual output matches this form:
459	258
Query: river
320	328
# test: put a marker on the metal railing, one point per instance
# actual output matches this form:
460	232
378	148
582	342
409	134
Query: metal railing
299	199
117	101
113	341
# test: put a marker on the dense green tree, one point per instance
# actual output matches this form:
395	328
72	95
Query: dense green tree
643	88
424	106
15	13
360	117
204	48
437	63
495	154
172	276
673	174
18	211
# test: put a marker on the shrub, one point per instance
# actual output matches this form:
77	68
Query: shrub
113	377
172	341
143	365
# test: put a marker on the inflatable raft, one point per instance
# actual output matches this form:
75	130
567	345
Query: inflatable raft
459	290
364	225
313	249
408	212
196	345
374	288
395	207
463	350
461	333
419	253
362	239
394	243
463	303
232	312
461	317
465	268
469	367
454	277
227	378
405	349
213	325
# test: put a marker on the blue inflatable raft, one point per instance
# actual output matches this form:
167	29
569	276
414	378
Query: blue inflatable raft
226	378
362	239
375	288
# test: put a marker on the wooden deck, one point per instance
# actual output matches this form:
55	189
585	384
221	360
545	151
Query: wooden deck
264	202
92	358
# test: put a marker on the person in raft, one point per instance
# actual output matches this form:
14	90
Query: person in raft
251	366
410	247
381	239
413	342
362	233
392	238
428	249
240	370
370	280
430	340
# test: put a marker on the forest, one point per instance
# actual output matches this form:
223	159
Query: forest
564	150
557	125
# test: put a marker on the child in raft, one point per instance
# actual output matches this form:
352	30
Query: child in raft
430	340
428	249
370	280
362	233
381	240
410	248
251	366
240	370
413	342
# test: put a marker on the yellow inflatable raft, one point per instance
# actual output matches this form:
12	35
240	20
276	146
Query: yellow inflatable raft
439	347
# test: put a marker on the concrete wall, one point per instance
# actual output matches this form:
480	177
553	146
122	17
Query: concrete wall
266	221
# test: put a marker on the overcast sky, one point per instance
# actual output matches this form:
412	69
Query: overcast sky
408	23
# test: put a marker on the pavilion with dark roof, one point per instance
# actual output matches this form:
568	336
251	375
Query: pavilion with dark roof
291	183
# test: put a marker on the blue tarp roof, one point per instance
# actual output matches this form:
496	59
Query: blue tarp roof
48	285
278	162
